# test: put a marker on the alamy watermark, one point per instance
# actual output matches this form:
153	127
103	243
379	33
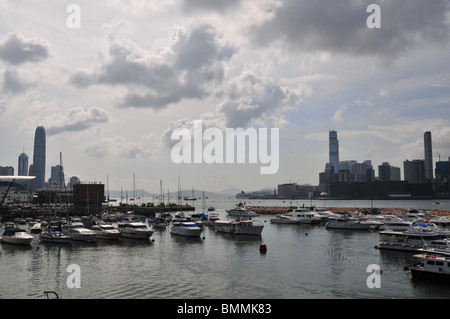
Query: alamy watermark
374	279
229	149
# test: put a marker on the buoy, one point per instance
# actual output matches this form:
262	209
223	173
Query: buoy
262	249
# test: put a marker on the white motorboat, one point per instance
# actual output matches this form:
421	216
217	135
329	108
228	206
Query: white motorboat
77	231
240	226
433	267
411	240
346	222
395	223
105	231
284	219
241	211
135	230
304	216
185	227
17	236
212	218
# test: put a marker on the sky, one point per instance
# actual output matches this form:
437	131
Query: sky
113	81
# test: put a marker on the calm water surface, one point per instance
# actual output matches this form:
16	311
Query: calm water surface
301	262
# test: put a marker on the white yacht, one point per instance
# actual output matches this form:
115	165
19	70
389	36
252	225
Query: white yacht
240	226
346	222
135	230
241	211
17	236
105	231
304	216
395	223
411	240
185	227
430	266
284	219
77	231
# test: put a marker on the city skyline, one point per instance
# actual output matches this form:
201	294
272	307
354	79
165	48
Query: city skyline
111	92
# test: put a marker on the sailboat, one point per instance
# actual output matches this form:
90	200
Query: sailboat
55	234
160	222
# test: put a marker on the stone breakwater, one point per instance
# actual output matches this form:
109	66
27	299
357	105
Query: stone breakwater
340	210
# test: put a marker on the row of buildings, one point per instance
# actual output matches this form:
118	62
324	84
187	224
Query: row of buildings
352	179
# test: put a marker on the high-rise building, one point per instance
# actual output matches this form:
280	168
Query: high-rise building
334	150
38	167
23	165
428	157
414	171
57	175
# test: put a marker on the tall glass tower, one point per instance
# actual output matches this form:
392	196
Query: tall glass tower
23	165
38	167
428	157
334	150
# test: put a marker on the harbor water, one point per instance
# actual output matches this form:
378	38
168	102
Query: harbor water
301	262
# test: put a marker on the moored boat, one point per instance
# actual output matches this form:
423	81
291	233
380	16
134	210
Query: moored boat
240	226
17	236
284	219
77	231
433	267
105	231
241	211
346	222
135	230
185	227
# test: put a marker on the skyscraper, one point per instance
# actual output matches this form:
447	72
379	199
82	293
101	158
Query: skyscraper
38	167
428	157
23	165
334	150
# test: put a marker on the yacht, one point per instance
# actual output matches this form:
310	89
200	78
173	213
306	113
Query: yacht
77	231
284	219
240	226
395	223
135	230
346	222
17	236
105	231
241	211
212	218
304	216
54	234
433	267
411	240
185	227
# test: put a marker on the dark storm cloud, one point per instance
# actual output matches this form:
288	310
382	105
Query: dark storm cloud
191	65
340	26
16	49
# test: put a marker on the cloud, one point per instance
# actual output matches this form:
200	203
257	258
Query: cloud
189	68
77	119
16	49
251	99
13	83
340	27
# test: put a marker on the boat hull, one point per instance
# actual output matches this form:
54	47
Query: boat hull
56	238
17	240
